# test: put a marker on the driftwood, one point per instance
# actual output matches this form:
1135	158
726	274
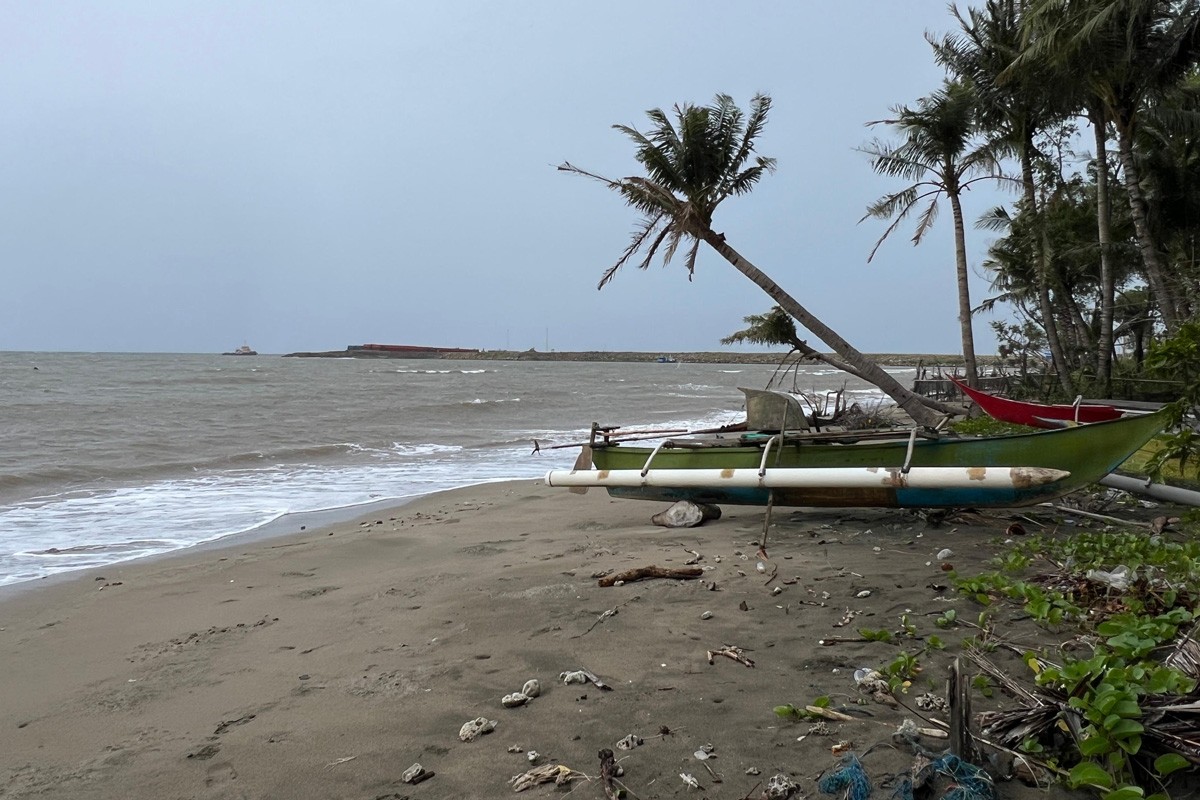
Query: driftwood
829	713
608	771
729	651
651	571
961	743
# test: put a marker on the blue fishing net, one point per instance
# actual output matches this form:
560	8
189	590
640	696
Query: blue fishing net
969	781
851	777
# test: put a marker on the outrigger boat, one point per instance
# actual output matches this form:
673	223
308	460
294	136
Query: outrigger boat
1037	415
774	464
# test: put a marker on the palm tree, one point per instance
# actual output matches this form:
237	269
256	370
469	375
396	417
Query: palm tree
1134	51
694	163
1014	105
940	153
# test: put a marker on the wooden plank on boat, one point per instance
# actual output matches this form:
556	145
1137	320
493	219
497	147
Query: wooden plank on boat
814	478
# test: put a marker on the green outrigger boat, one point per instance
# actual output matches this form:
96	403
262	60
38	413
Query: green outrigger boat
919	468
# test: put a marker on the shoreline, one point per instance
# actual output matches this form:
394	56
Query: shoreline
906	360
286	524
325	662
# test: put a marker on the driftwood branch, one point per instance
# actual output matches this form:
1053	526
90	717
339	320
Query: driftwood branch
608	771
650	572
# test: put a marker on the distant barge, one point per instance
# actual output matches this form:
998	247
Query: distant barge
385	351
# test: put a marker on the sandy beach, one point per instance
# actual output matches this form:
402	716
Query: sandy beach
324	663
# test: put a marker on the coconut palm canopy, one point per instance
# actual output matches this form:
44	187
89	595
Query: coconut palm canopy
693	162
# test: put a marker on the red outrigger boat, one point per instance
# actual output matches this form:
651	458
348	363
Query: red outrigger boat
1037	415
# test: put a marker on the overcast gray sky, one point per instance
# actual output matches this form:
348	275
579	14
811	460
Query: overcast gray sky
189	176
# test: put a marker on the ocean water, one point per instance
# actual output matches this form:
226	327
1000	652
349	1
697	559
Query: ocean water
109	457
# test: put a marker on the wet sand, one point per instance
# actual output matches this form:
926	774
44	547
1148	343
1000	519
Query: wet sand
324	663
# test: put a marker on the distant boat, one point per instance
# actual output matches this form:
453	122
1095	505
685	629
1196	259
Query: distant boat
244	350
1037	415
666	359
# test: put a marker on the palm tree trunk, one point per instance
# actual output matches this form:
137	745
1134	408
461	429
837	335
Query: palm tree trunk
964	290
1042	257
1155	275
921	409
1108	283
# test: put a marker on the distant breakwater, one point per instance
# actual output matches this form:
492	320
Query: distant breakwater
884	359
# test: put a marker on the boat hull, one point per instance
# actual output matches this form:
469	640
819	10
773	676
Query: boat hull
1088	453
1036	415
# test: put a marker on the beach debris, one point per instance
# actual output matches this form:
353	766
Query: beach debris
850	778
691	782
969	782
909	731
415	774
777	590
608	771
828	713
932	702
730	651
820	729
343	760
705	752
516	748
753	771
847	618
706	615
532	688
686	514
863	593
843	746
532	756
629	742
944	553
873	683
470	731
558	774
514	700
1120	577
652	571
583	676
780	787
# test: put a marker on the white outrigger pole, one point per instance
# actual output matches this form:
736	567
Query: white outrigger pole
812	478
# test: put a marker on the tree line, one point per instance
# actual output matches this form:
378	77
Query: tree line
1098	248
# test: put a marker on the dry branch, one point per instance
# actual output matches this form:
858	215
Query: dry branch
651	572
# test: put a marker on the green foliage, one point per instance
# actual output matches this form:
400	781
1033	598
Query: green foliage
1178	358
794	713
774	327
1106	689
986	426
871	635
902	670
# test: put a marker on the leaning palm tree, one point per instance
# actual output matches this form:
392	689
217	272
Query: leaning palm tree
694	163
940	153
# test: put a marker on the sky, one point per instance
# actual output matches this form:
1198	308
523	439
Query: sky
192	176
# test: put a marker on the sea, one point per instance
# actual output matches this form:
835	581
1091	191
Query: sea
110	457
